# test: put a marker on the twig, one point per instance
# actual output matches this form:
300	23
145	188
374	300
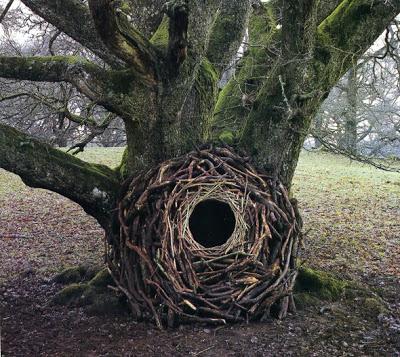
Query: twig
169	276
5	11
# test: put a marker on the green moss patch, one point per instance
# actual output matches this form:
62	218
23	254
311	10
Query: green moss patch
320	284
161	36
76	274
227	137
70	295
304	300
102	279
315	286
94	295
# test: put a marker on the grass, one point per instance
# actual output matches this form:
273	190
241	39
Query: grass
109	156
351	213
350	210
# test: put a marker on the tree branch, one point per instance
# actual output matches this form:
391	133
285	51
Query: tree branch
94	187
348	32
47	68
73	18
238	96
323	54
123	40
4	13
298	18
87	77
178	13
224	44
146	15
94	128
78	119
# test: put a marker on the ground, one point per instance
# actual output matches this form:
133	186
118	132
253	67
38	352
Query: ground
351	214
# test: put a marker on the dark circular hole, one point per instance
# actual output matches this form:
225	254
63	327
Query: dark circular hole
212	222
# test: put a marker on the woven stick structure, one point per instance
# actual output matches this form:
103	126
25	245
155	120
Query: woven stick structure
163	268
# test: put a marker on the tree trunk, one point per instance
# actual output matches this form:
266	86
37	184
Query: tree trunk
318	122
349	139
164	87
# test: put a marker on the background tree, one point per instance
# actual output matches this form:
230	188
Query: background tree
53	112
360	117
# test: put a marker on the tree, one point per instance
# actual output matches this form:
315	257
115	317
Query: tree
163	84
360	116
54	112
158	71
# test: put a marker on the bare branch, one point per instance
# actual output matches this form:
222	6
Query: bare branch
51	42
4	13
95	129
73	18
379	164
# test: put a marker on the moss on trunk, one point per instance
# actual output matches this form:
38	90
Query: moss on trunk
92	186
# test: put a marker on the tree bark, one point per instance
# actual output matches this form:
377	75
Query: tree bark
94	187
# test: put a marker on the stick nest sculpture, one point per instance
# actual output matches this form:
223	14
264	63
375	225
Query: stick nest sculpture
206	238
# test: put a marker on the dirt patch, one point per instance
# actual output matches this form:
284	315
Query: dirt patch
355	233
32	325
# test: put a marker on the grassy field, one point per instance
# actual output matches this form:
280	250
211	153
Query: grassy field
351	216
351	211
